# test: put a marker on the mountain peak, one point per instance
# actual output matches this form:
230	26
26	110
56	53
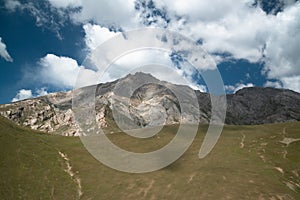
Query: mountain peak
140	76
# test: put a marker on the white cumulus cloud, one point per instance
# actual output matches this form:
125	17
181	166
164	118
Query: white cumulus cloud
41	92
23	94
237	87
27	94
283	46
292	83
274	84
62	72
96	35
65	3
117	12
3	52
156	62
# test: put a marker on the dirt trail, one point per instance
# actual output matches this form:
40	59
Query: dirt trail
279	169
69	171
242	145
288	141
146	190
191	177
285	152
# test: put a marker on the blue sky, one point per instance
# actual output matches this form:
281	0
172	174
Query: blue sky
44	43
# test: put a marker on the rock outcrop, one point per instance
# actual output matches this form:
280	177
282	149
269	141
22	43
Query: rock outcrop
51	113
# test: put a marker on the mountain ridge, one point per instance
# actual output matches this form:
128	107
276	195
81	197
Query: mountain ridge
152	104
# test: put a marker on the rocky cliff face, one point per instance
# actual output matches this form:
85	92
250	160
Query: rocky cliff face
263	105
151	104
51	113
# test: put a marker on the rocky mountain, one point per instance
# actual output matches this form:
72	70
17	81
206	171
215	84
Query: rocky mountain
141	100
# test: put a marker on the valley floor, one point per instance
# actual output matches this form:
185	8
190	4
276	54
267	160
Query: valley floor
248	162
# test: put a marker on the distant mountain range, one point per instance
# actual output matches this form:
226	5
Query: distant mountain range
152	105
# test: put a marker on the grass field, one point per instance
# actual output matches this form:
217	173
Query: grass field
248	162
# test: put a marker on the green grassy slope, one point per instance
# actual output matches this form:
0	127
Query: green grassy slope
248	162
